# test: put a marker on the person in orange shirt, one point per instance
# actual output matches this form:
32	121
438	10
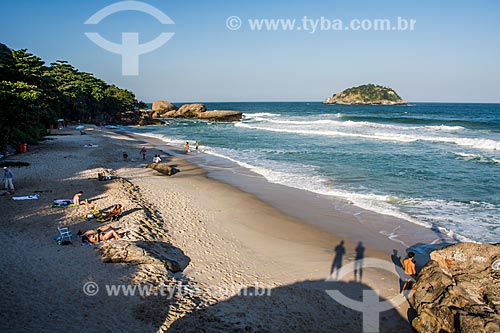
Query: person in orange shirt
410	270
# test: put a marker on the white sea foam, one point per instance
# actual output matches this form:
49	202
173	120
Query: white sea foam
478	143
429	212
445	128
478	158
260	114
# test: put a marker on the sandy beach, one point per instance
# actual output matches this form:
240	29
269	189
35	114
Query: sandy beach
229	261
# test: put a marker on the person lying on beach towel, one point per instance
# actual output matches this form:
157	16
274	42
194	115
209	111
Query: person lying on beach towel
75	202
101	176
113	213
91	146
102	234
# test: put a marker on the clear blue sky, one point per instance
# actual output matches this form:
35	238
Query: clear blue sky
452	55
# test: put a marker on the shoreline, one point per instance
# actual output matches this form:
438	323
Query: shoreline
219	235
333	215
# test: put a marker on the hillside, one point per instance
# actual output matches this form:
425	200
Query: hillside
366	95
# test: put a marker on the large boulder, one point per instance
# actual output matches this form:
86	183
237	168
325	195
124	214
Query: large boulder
221	115
161	107
199	111
163	168
458	290
148	119
187	111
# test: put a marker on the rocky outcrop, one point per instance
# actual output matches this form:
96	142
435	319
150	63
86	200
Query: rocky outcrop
367	94
187	111
163	168
458	290
162	107
147	118
199	111
221	115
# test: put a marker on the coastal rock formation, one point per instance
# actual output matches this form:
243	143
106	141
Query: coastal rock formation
147	118
163	168
161	107
366	95
458	290
199	111
221	115
187	111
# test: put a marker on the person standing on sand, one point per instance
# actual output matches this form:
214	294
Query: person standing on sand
8	178
410	270
143	152
186	147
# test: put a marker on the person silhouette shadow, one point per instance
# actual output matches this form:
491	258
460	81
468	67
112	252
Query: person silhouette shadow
396	260
358	263
337	261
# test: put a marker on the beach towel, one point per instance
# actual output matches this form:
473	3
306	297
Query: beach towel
63	203
27	197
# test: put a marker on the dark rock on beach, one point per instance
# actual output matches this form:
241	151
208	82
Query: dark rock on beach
163	168
458	290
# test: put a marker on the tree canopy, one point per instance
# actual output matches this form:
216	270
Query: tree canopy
34	95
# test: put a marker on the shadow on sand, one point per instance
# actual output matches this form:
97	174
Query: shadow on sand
300	307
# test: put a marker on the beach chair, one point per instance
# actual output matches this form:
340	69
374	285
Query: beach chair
64	233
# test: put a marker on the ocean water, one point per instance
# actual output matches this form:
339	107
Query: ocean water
436	165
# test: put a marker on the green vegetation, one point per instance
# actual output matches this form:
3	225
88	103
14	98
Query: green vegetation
372	92
367	94
33	96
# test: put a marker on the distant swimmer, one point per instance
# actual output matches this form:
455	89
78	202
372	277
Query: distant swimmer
186	147
196	146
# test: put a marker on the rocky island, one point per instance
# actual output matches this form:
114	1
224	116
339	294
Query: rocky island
367	94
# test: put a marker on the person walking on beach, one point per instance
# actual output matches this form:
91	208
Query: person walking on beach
143	152
186	147
410	270
8	178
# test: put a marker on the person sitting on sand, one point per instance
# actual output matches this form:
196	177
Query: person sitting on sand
102	234
76	198
410	270
157	159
